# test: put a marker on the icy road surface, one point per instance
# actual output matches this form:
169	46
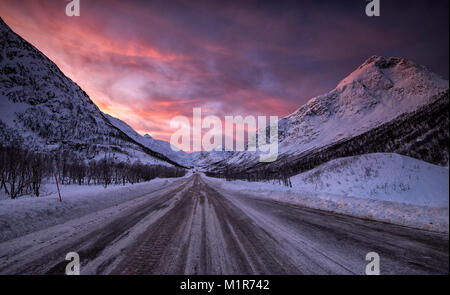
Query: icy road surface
191	227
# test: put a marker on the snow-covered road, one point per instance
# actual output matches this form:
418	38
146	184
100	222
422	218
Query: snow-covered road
194	227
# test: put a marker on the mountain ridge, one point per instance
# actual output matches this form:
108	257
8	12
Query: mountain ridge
377	92
48	112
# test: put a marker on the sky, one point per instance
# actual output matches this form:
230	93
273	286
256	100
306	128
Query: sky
149	61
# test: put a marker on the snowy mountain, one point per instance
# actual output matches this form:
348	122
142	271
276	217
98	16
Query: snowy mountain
45	111
203	160
200	160
159	146
378	92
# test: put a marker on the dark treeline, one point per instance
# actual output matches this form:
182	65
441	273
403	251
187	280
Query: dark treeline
255	176
22	171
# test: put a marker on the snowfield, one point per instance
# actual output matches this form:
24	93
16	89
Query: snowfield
384	187
29	214
383	177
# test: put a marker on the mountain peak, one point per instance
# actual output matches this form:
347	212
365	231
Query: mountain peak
376	92
395	82
382	62
381	91
380	73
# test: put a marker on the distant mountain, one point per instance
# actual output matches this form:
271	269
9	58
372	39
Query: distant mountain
160	146
47	112
203	160
195	159
379	92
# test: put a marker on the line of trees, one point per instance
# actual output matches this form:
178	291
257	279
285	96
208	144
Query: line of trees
281	176
22	171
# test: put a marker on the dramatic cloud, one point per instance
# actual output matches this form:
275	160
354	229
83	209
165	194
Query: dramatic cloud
148	61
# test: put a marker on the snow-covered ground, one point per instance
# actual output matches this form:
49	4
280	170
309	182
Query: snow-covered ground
384	177
384	187
28	214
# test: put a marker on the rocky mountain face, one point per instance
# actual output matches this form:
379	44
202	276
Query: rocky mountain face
45	111
386	105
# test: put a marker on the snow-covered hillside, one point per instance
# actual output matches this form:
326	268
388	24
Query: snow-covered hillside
201	160
380	186
385	177
46	111
379	91
159	146
204	159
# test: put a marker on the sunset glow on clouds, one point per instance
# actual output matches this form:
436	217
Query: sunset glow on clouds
149	61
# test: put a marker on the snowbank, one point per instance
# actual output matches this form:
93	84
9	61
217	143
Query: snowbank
385	187
385	177
28	214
